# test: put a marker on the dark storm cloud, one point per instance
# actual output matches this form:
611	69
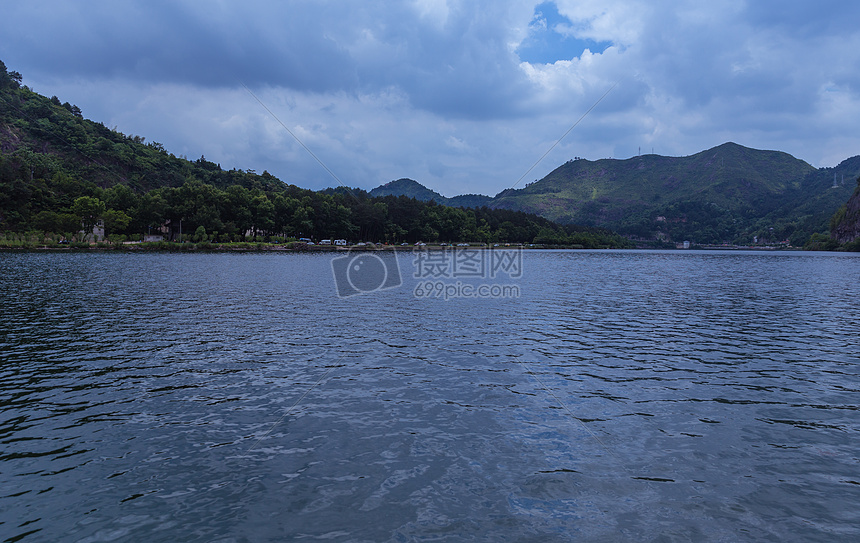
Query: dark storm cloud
198	43
454	67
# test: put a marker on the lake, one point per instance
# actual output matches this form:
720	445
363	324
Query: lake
588	395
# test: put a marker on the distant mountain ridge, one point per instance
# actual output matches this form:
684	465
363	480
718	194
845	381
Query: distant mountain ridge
413	189
408	188
845	225
729	193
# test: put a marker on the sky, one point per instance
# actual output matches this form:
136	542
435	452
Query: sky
462	96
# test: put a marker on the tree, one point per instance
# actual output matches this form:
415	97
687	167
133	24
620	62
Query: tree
47	221
90	210
548	236
116	222
150	211
9	79
120	197
285	208
302	223
262	215
68	224
237	209
200	235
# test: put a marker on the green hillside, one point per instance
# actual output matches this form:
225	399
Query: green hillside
469	200
704	195
410	189
413	189
845	224
61	173
728	194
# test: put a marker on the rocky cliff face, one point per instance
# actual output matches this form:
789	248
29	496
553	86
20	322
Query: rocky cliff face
847	227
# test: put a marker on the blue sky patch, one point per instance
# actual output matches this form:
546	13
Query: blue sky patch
546	44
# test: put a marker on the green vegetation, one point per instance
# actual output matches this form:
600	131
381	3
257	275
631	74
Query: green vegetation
410	189
728	194
204	213
61	174
414	189
844	227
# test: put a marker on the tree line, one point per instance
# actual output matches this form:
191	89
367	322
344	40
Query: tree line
238	214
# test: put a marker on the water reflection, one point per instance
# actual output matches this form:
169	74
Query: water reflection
637	395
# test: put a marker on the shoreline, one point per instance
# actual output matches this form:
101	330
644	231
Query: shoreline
251	247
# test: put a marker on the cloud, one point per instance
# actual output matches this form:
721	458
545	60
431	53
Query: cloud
181	42
456	94
450	59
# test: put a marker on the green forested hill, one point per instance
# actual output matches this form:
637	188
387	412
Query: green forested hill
60	172
414	189
845	224
410	189
730	194
50	155
726	194
730	176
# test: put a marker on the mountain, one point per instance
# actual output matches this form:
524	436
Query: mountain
730	176
730	193
413	189
469	200
408	188
50	155
809	208
845	225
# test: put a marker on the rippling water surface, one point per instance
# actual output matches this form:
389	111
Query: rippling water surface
665	396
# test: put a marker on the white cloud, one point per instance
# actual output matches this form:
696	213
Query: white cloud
434	10
619	22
